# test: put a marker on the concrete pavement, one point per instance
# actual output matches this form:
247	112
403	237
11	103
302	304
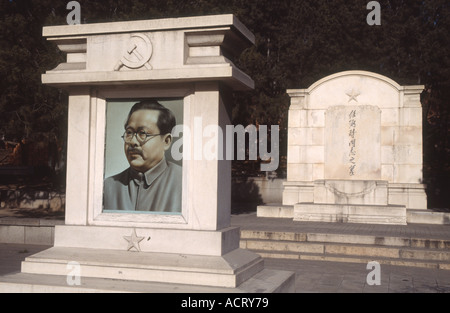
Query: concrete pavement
11	255
336	277
311	276
339	277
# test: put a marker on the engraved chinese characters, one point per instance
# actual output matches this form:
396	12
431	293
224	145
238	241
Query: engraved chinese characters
352	143
352	146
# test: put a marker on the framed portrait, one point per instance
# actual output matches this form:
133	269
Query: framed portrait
142	171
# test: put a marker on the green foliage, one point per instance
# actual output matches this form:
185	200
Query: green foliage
28	109
297	43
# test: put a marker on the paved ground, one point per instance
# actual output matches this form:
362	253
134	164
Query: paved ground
320	276
11	255
333	277
316	276
311	276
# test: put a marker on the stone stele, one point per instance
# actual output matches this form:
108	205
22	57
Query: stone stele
354	151
196	250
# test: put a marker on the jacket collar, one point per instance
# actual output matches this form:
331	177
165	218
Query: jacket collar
150	176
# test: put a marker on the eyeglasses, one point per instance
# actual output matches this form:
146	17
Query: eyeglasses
141	136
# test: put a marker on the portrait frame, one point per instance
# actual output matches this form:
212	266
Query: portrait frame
117	111
98	141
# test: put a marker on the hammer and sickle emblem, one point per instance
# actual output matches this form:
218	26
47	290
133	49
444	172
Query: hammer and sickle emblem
138	53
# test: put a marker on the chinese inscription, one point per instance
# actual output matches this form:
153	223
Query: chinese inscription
352	142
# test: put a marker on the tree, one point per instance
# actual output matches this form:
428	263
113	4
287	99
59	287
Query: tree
29	109
297	43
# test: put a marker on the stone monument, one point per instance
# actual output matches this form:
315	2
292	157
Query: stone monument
354	151
188	61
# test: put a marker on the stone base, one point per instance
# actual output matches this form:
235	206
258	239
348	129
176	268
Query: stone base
158	240
344	213
273	210
413	216
229	270
427	217
412	196
366	192
266	281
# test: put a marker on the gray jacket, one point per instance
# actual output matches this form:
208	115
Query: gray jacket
159	189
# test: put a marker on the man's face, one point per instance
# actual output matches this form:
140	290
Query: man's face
143	157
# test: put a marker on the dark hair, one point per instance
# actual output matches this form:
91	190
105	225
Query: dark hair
166	119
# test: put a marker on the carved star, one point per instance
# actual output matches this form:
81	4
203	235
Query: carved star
133	241
353	95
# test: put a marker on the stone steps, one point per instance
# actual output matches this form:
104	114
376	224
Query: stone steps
401	251
229	270
414	216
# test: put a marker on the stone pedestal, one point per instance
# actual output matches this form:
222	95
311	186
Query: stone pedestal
367	192
190	59
348	213
350	201
228	270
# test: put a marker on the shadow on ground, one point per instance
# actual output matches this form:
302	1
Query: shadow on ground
245	196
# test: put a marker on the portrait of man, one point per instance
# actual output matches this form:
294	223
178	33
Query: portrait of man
151	182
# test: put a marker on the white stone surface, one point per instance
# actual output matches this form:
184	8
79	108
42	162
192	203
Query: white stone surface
206	206
352	143
229	270
281	211
265	281
373	89
364	214
412	194
169	58
183	50
214	243
298	192
209	21
364	192
428	217
356	126
78	155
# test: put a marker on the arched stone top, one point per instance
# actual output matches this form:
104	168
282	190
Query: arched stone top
376	76
353	88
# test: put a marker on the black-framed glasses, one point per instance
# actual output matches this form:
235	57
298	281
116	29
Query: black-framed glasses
141	136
